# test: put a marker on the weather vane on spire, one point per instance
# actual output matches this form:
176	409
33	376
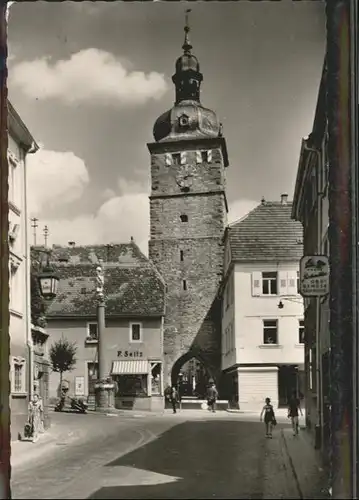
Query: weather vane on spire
187	45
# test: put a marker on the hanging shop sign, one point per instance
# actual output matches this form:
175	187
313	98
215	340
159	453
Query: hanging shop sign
314	276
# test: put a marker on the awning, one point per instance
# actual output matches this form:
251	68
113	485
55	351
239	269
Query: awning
131	367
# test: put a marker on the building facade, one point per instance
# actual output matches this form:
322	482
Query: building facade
20	144
311	208
133	337
262	311
188	216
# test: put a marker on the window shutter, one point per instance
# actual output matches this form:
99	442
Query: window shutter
198	157
168	159
256	284
292	283
282	277
209	156
183	157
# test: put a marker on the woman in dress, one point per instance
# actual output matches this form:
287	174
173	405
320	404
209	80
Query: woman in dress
36	417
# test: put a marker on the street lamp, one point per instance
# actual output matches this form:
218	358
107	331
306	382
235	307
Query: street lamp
48	280
281	305
104	386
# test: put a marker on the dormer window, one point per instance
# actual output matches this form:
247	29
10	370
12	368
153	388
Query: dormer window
206	156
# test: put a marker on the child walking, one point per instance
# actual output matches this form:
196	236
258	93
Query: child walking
269	417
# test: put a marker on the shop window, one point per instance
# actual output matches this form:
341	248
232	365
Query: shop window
18	376
270	283
135	332
156	389
270	331
131	385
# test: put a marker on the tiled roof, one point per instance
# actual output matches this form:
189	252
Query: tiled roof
267	233
133	287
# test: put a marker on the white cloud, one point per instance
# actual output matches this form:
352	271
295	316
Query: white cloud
88	75
55	178
240	208
116	221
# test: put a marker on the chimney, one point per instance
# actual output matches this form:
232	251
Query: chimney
263	201
72	244
284	198
132	239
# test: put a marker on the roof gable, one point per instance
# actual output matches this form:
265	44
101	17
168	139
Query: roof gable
133	287
267	233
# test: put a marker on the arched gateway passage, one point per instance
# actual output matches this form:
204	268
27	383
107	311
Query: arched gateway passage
191	375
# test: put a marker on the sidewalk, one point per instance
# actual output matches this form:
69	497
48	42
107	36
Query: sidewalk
66	429
310	476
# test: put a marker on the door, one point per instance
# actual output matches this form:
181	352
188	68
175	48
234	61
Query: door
287	383
92	377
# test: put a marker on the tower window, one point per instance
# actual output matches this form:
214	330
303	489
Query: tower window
176	158
206	156
184	218
184	283
181	255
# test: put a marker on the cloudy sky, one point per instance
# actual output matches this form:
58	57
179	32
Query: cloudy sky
90	79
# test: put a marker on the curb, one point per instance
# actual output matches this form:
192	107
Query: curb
294	472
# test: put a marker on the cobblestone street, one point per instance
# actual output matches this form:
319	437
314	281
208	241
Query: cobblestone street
188	455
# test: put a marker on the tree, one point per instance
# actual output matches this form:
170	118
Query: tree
63	356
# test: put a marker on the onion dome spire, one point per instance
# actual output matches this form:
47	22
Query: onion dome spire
187	44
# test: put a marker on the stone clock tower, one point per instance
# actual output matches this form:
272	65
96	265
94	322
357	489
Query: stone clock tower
188	216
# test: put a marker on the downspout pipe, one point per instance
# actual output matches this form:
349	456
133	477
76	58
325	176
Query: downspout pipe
319	377
29	341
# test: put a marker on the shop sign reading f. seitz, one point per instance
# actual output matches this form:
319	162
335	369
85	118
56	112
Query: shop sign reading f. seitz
314	276
129	354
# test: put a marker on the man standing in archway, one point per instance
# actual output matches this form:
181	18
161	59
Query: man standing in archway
212	396
174	398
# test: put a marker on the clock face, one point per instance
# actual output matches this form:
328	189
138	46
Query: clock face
184	176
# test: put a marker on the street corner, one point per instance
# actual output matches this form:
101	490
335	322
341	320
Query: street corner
27	451
311	476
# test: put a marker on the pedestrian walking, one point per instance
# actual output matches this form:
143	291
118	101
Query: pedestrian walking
269	417
293	412
174	398
212	396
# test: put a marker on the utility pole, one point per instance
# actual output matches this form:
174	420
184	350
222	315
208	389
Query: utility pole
354	11
46	234
340	59
34	226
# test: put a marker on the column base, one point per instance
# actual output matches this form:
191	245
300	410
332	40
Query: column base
104	397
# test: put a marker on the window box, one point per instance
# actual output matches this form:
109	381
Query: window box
270	346
90	340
